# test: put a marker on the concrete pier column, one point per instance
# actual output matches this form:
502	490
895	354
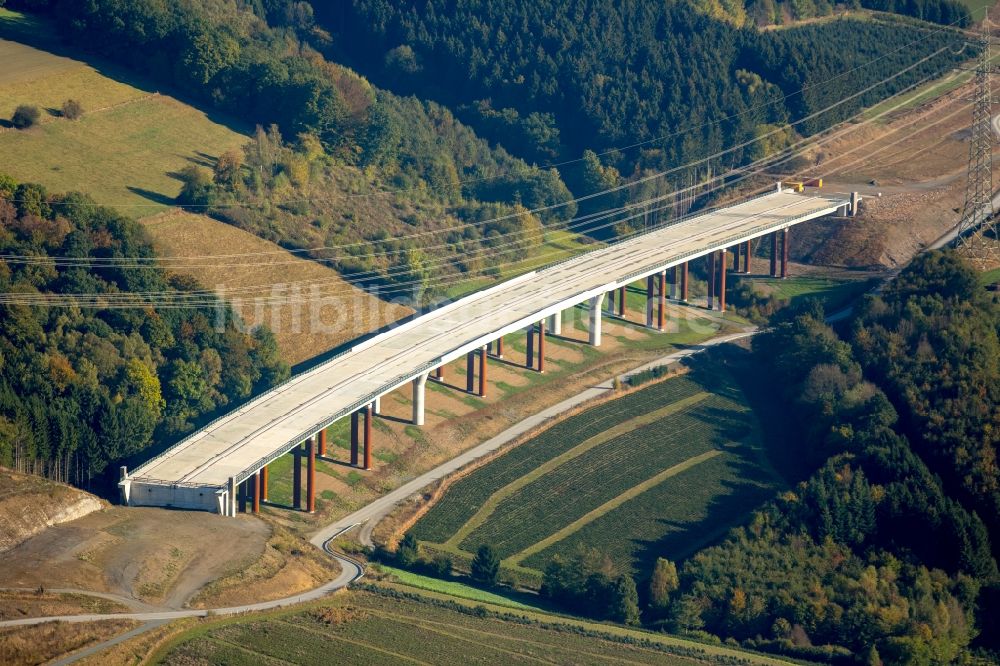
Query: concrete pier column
500	347
419	394
649	301
243	496
529	361
233	490
439	372
723	269
595	319
297	476
747	256
368	437
611	303
256	492
784	254
661	300
541	346
482	372
774	254
377	406
321	442
354	439
555	323
470	372
263	483
310	475
710	298
684	282
621	302
855	200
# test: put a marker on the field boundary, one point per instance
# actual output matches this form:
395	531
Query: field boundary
490	506
592	515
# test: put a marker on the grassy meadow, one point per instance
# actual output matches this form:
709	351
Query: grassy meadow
127	147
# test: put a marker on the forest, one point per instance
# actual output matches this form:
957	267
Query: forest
82	388
888	552
677	82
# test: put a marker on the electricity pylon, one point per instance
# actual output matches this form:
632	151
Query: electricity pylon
977	231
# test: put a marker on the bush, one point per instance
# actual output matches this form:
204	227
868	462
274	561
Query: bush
25	116
72	109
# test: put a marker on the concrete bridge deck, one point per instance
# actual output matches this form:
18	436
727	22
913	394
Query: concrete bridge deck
202	471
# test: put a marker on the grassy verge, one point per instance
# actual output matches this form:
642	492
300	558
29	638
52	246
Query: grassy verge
456	589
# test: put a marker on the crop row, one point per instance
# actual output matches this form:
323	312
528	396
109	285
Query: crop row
675	516
601	474
465	497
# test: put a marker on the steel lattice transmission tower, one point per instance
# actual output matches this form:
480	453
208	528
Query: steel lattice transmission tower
977	231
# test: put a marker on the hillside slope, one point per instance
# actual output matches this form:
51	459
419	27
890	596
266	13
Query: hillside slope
29	504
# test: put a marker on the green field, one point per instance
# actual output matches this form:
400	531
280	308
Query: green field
833	293
389	627
658	472
126	149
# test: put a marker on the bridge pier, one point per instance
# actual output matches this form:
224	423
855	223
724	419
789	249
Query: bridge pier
500	347
649	301
661	301
529	359
243	497
621	301
256	492
439	372
321	443
310	475
377	406
541	346
710	299
354	439
784	254
595	320
482	372
470	372
297	477
747	256
723	268
555	323
263	483
368	437
684	282
774	254
232	490
419	395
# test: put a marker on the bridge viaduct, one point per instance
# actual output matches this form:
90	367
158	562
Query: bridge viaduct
223	467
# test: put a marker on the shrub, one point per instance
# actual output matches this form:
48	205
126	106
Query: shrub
72	109
25	116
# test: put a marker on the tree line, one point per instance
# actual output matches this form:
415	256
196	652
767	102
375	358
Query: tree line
84	388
